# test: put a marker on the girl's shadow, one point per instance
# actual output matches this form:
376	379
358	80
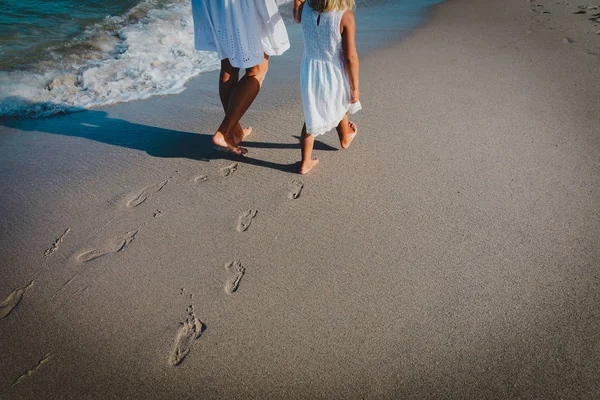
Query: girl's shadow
157	142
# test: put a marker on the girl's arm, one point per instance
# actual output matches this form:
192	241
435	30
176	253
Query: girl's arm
348	28
298	5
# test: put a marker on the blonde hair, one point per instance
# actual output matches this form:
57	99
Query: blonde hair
331	5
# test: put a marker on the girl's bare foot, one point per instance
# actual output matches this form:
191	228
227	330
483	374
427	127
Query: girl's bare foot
345	142
225	142
308	165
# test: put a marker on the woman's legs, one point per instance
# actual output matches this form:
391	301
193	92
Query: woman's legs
308	142
227	80
346	132
241	95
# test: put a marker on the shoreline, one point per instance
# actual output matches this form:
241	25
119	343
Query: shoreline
450	252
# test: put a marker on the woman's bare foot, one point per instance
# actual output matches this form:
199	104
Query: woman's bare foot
222	141
219	140
308	165
345	142
240	133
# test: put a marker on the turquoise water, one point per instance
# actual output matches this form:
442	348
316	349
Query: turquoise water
67	55
28	28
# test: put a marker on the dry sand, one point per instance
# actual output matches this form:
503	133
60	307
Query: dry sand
451	252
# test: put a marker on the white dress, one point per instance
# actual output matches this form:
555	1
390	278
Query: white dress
240	30
324	83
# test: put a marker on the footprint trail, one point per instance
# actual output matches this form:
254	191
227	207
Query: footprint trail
114	246
235	272
13	300
190	330
245	220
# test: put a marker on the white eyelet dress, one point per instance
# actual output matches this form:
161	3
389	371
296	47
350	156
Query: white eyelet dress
324	83
240	30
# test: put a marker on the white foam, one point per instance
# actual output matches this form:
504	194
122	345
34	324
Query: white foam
152	56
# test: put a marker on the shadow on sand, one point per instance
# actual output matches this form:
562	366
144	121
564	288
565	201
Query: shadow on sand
157	142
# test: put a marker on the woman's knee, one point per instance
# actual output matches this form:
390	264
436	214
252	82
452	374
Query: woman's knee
259	71
228	71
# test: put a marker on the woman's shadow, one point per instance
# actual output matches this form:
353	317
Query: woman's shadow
157	142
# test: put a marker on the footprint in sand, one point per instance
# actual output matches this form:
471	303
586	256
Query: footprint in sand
57	243
235	271
182	292
295	189
13	299
200	178
143	195
190	330
230	169
245	220
114	246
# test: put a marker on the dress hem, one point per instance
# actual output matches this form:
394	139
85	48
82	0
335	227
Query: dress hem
270	51
352	109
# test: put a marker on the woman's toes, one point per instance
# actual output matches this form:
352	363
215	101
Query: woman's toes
240	151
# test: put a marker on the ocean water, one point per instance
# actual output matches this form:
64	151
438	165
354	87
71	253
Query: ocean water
69	55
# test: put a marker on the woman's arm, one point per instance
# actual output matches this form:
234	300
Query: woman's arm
348	28
298	5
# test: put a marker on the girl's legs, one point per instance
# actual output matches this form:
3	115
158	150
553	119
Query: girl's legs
242	95
308	142
346	132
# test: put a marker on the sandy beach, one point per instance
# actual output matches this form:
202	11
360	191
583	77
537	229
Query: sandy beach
453	252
